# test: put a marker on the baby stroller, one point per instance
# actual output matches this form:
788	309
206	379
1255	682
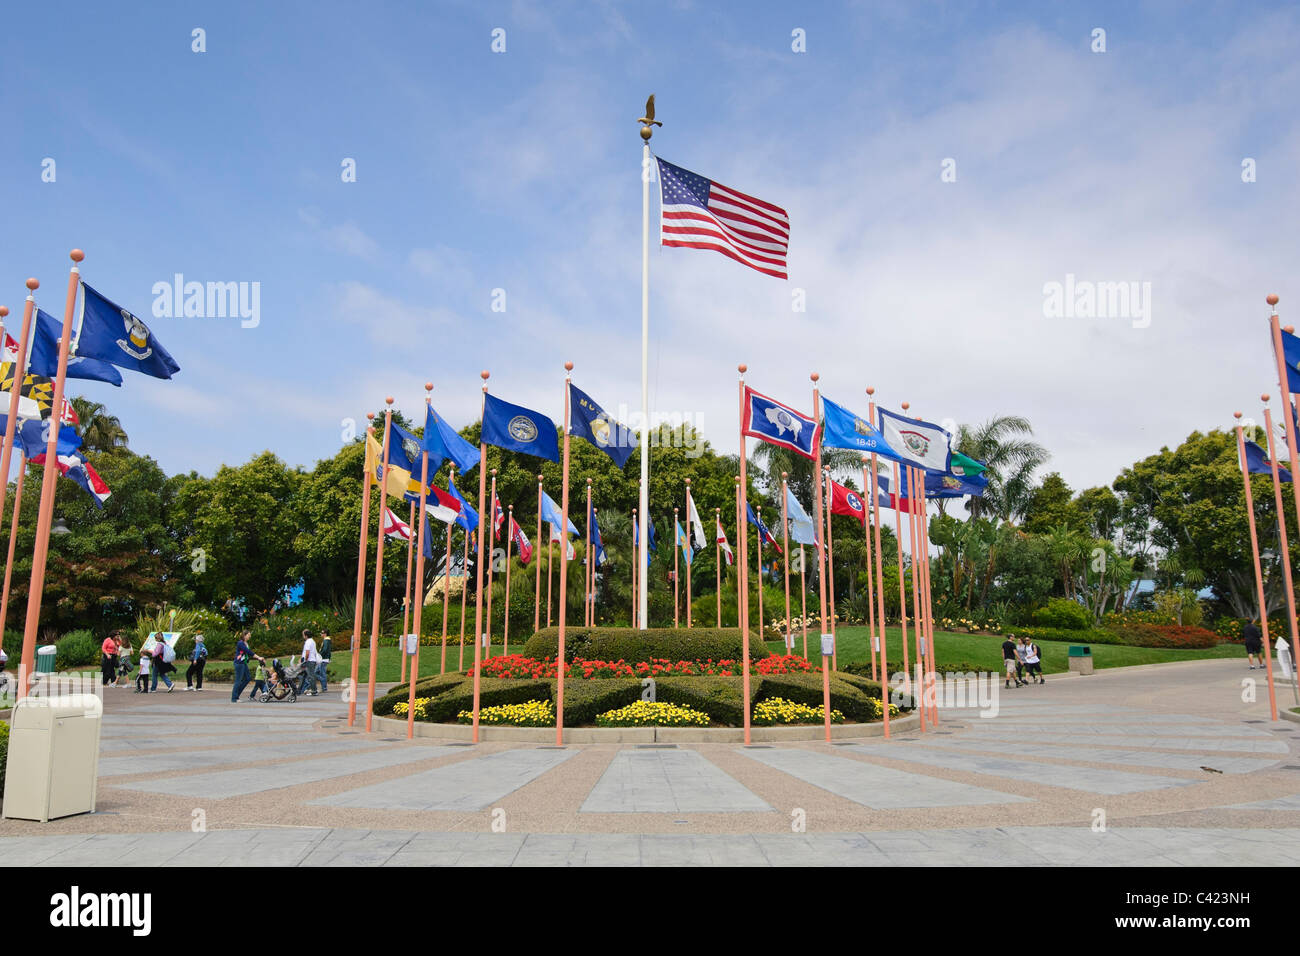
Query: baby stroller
280	682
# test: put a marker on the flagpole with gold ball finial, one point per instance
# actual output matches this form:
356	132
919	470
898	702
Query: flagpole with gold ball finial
379	568
418	537
1254	551
359	606
648	123
18	369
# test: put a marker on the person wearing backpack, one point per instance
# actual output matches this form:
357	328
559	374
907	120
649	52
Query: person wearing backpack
1030	655
198	658
162	666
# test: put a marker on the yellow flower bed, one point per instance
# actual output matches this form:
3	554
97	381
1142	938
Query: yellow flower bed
778	710
645	713
421	708
532	713
873	705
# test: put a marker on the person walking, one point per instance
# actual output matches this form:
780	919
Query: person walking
198	658
108	662
1011	661
310	660
322	669
142	678
1254	644
259	680
161	666
124	652
243	654
1033	662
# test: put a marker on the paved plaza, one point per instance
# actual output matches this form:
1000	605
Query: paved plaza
1163	765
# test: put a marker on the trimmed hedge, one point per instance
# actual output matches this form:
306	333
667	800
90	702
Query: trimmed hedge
425	687
1094	635
848	698
1167	635
636	646
585	699
445	707
719	697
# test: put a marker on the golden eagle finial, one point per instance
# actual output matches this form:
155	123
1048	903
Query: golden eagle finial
649	119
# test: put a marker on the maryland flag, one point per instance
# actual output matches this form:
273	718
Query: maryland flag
35	395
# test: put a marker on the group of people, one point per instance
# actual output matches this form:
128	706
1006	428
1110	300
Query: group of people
1021	658
159	662
252	669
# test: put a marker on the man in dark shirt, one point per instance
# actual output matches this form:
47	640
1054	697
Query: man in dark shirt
1010	662
1254	643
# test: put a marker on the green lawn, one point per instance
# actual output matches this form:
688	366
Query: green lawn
985	650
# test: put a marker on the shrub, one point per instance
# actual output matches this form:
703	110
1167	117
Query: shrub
1168	635
636	646
1093	635
77	649
1063	614
719	697
424	687
584	699
851	695
648	713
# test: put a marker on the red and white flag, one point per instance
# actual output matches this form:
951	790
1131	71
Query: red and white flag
83	473
522	544
845	501
698	213
10	349
723	543
441	505
395	527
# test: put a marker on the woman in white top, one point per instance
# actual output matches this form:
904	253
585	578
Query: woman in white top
1029	654
310	658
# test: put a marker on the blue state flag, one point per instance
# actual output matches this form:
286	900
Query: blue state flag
468	517
1291	358
551	514
801	526
843	429
591	422
684	542
520	429
45	355
771	421
33	435
1258	463
111	334
597	546
405	451
764	533
443	442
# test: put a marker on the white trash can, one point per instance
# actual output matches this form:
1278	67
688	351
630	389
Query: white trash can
53	765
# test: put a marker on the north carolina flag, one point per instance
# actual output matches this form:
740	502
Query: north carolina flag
723	543
83	473
395	527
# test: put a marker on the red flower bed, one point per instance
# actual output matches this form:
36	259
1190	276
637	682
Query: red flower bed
1175	636
519	667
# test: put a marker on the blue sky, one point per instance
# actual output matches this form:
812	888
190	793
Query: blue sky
520	171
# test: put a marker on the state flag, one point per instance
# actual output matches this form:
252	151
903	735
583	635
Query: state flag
768	420
1291	359
697	526
588	420
1258	463
919	443
551	514
75	467
34	436
45	355
765	534
395	527
468	516
110	333
522	544
520	429
684	542
845	501
443	442
723	543
801	526
843	429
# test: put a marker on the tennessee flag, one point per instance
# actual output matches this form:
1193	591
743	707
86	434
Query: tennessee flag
724	544
846	502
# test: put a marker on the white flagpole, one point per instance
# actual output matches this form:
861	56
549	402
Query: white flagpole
647	130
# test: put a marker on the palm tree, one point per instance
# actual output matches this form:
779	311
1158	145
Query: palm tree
100	431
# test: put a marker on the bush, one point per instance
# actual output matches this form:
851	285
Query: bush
719	697
848	695
77	649
585	699
1168	635
1094	635
646	713
424	687
1063	614
637	646
446	707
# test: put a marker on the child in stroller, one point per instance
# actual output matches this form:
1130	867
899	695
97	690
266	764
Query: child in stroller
280	682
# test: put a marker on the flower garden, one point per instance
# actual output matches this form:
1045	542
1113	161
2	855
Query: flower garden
605	680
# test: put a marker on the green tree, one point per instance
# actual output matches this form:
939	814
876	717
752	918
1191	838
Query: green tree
99	431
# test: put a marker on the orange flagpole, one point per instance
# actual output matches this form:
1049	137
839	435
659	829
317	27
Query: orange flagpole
916	592
742	562
379	570
880	575
690	553
928	605
49	474
821	562
758	536
464	593
635	562
564	566
677	548
785	562
537	571
803	600
478	566
830	563
492	557
505	615
446	579
1285	391
718	567
586	564
359	607
406	592
550	554
1254	550
418	536
902	587
19	369
13	538
1284	548
871	578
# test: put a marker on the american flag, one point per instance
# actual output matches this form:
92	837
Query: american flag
701	214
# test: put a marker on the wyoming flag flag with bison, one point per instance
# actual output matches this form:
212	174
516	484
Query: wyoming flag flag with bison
768	420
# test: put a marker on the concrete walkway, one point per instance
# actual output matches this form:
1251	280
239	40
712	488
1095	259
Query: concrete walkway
1170	765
